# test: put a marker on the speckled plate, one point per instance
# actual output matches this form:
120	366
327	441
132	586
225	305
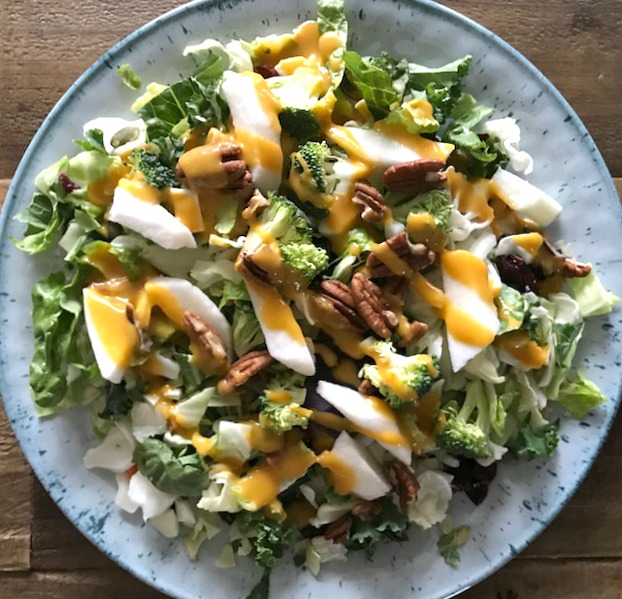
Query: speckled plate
524	498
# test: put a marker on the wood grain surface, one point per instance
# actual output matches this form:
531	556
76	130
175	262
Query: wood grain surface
45	46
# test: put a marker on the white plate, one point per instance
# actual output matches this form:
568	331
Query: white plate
524	498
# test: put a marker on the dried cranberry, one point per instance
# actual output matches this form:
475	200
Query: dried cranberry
67	183
265	71
515	273
473	479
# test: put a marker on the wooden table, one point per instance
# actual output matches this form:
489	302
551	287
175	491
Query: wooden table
45	46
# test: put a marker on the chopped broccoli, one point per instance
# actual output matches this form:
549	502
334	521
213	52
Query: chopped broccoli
284	221
463	435
306	258
402	380
300	123
436	202
245	328
155	172
281	403
312	163
358	244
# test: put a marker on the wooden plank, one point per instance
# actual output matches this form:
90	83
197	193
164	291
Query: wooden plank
569	40
527	579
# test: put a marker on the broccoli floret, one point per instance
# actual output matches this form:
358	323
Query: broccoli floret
281	403
306	258
437	203
402	380
154	171
284	221
463	434
312	162
300	123
358	244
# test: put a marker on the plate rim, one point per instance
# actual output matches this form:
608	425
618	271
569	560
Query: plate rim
162	20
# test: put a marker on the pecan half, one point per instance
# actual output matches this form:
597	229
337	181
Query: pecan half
570	268
416	256
366	388
244	369
249	269
372	201
404	482
340	296
411	333
366	509
372	306
337	531
415	176
234	177
198	330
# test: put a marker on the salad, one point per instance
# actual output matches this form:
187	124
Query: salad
306	297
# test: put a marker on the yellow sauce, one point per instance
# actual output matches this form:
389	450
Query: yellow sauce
471	196
525	350
468	269
346	371
141	190
530	242
342	476
426	148
202	165
108	317
186	208
101	192
261	485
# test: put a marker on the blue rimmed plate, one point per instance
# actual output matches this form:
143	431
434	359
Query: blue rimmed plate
524	498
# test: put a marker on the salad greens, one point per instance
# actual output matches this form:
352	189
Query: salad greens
307	296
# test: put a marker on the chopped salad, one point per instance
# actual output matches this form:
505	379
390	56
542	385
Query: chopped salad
307	296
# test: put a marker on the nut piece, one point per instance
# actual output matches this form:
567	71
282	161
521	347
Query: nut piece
366	388
237	178
255	206
404	482
366	509
415	176
372	306
416	256
570	268
249	269
242	370
198	330
339	296
337	531
414	331
374	206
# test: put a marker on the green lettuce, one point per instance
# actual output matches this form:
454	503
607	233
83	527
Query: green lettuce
535	442
592	297
63	365
331	17
129	77
177	474
580	396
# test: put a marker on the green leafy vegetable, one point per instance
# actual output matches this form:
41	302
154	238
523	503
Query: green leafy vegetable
580	396
262	589
93	141
245	328
129	77
270	538
535	442
592	297
119	401
175	474
449	544
512	309
389	525
436	202
331	17
373	82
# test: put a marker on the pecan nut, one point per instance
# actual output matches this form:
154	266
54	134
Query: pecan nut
339	296
366	509
415	176
366	388
242	370
372	306
235	177
337	531
570	268
250	270
198	330
416	256
372	201
404	481
411	332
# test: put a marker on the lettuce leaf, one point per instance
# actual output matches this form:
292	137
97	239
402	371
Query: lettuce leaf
580	396
181	474
373	82
129	77
63	364
331	17
592	297
535	442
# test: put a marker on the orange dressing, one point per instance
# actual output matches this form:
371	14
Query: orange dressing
525	350
342	476
101	192
472	196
